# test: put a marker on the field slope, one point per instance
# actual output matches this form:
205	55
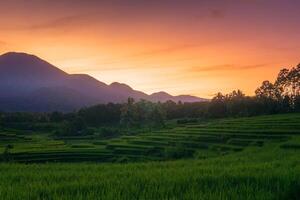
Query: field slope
242	158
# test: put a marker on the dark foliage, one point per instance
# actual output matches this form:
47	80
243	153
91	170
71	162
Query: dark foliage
101	114
75	127
109	132
282	96
6	154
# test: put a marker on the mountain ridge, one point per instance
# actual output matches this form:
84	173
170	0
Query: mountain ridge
33	84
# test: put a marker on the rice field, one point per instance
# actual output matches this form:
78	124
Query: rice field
216	137
268	173
241	158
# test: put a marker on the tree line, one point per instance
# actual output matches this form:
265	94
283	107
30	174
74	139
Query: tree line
280	96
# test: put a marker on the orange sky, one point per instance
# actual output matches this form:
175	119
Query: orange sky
182	47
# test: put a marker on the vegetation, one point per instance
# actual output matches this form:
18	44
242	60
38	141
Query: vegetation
242	158
282	96
270	174
191	139
226	148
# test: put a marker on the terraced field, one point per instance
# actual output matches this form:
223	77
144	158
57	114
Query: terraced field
266	173
201	140
243	158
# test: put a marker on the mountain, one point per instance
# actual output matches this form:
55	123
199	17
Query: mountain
28	83
163	96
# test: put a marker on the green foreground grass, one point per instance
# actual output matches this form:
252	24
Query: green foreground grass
242	158
268	173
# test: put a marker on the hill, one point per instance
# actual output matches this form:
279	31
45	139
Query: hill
28	83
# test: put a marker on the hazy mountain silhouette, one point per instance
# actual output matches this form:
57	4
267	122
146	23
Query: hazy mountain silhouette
163	96
28	83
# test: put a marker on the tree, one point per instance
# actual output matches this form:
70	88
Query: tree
170	108
127	113
282	82
288	84
103	114
142	113
297	104
266	90
294	81
56	117
157	116
235	103
75	127
217	107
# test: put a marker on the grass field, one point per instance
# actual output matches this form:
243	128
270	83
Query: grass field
242	158
200	140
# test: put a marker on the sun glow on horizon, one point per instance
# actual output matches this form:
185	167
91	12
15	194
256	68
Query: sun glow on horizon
207	49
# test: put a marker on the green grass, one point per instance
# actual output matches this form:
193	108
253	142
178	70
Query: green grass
238	158
220	136
268	173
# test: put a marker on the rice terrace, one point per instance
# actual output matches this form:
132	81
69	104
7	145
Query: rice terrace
205	140
242	158
149	100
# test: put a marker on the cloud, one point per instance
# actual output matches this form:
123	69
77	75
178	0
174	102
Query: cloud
58	23
224	67
153	52
169	49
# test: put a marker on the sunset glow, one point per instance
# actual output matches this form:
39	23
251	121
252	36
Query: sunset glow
182	47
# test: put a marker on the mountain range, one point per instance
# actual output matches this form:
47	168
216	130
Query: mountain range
28	83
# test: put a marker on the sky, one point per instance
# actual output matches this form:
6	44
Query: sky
178	46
